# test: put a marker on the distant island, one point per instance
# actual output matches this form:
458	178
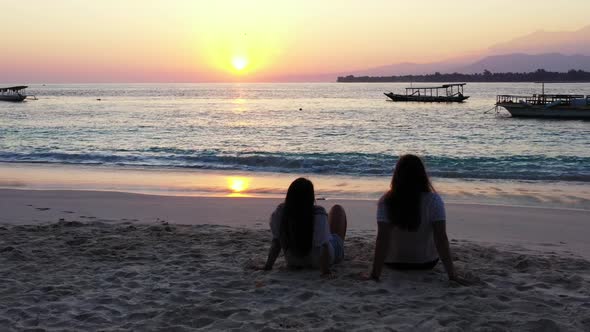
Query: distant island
540	75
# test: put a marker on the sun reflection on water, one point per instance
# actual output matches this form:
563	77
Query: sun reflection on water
239	105
238	186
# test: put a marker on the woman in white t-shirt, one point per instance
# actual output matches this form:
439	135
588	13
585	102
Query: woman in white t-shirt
308	236
411	223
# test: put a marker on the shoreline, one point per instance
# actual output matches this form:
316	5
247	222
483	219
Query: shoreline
280	198
217	183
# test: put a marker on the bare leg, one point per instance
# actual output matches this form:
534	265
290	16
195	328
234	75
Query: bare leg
337	221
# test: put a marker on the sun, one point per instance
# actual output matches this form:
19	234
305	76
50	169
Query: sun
239	63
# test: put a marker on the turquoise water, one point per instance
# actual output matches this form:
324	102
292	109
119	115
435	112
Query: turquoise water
329	129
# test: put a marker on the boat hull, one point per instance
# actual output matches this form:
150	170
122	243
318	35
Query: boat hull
13	98
427	99
563	112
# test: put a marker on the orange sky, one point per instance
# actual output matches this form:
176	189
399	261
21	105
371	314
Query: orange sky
199	41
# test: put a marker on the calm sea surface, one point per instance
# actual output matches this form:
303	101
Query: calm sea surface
332	129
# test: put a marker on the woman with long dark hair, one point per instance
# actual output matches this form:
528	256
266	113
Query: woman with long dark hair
308	236
411	223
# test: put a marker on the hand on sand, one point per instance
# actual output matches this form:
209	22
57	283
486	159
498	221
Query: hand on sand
255	265
457	280
366	276
261	267
328	276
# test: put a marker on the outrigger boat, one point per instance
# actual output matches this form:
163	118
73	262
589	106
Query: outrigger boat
546	106
13	93
440	94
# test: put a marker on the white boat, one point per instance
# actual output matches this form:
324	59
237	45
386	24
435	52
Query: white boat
13	93
546	106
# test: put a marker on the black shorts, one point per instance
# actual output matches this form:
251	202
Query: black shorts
413	266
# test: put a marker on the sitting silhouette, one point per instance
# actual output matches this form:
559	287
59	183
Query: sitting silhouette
411	221
308	236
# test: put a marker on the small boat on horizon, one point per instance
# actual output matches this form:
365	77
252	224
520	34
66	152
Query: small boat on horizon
446	93
13	93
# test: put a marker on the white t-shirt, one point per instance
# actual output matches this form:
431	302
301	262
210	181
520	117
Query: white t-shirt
417	246
321	235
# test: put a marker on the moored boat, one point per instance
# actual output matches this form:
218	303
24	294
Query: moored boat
439	94
13	93
546	106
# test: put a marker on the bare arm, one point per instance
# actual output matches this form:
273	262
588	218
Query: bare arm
442	246
381	248
325	261
273	253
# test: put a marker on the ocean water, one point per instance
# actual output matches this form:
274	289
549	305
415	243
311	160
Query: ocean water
322	128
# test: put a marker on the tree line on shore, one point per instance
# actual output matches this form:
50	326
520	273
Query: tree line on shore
540	75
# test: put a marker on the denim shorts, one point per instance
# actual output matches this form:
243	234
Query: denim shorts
338	245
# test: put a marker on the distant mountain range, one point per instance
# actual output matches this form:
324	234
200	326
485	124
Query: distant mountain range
527	63
564	42
552	51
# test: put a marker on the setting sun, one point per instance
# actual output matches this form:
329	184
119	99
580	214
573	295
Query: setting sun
239	63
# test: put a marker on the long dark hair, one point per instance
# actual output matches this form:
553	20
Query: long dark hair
402	201
298	218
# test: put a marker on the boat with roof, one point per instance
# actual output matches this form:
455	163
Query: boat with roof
446	93
549	106
13	93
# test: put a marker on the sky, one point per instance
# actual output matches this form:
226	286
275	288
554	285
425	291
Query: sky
70	41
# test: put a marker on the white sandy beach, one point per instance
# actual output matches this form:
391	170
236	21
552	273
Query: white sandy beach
114	261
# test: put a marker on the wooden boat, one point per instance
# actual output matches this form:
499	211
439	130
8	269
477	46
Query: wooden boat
446	93
13	93
546	106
